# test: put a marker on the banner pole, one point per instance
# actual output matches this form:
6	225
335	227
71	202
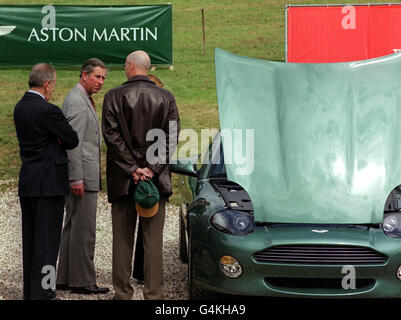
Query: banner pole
203	31
342	5
286	31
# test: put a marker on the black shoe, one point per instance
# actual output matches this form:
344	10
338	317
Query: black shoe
62	287
51	295
90	290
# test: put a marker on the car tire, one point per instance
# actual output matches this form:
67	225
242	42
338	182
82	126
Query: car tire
195	292
183	253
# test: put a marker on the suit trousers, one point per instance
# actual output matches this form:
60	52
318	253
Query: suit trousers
124	218
76	267
42	220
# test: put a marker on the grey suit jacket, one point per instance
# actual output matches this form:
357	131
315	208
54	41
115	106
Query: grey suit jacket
85	158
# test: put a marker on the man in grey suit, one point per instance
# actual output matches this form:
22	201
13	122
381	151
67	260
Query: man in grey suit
76	269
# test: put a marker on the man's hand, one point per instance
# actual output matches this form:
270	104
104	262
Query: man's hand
142	174
148	173
137	174
78	190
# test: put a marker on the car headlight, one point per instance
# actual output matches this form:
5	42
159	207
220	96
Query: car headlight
233	222
392	225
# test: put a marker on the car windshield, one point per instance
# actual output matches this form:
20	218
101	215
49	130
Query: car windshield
212	159
218	168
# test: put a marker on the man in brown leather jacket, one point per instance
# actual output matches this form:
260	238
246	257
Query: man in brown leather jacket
132	114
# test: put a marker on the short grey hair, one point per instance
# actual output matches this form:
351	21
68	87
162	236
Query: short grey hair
90	65
40	73
140	59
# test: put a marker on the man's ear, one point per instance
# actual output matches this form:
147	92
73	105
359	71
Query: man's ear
46	85
130	66
84	75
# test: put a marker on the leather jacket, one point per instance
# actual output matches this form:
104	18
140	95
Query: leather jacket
129	112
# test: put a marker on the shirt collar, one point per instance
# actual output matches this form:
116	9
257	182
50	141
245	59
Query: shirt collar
139	78
80	86
38	93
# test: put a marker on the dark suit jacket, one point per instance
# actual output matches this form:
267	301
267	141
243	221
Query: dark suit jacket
129	112
44	135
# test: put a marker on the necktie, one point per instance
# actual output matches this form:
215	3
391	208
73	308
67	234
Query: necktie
93	102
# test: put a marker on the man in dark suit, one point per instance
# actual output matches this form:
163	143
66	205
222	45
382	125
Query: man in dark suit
44	135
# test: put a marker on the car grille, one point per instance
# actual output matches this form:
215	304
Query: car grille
317	254
317	283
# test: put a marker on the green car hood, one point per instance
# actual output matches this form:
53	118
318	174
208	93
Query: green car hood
326	137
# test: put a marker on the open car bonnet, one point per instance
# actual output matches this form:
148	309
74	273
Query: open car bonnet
312	143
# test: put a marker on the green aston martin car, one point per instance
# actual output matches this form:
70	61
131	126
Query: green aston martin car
317	211
229	252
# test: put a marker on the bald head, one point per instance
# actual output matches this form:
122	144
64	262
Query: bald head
137	63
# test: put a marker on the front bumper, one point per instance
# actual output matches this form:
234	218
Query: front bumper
278	279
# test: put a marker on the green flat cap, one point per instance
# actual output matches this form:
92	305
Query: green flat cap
146	199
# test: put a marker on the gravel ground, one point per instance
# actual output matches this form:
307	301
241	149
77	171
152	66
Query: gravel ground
175	273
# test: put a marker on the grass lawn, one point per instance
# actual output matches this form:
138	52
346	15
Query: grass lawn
252	28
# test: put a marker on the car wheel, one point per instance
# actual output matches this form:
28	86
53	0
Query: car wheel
183	241
195	292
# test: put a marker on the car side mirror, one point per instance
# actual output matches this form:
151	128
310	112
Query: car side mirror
185	167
